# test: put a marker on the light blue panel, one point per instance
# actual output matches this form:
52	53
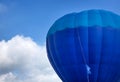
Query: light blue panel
94	18
86	19
81	19
108	20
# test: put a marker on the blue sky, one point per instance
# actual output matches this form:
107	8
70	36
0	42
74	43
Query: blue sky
23	28
34	17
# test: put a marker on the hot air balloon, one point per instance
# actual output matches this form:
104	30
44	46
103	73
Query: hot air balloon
85	46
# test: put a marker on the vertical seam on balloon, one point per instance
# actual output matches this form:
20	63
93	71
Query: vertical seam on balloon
88	77
98	64
57	58
116	32
101	46
88	46
74	25
82	50
52	58
112	18
112	34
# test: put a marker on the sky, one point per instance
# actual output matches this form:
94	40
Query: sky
23	28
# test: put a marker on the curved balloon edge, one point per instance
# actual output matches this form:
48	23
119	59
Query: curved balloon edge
72	16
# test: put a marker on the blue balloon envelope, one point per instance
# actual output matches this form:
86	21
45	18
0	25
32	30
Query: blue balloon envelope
85	47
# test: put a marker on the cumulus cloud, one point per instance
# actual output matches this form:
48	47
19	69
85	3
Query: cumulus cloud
22	60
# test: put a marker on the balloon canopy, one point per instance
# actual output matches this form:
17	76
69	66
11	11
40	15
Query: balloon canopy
85	47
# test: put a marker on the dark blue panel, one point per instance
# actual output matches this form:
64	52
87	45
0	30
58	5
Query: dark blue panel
71	49
94	44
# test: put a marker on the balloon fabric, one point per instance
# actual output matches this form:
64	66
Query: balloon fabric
85	46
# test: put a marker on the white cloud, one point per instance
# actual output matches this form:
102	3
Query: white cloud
9	77
22	60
